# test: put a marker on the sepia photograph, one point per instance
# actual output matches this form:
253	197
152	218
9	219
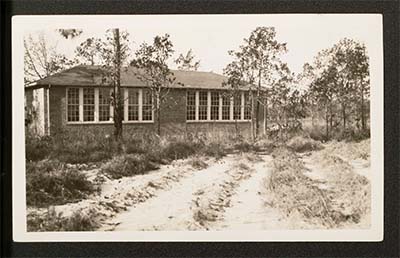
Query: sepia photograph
198	127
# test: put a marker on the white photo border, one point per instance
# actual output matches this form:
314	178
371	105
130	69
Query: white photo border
22	23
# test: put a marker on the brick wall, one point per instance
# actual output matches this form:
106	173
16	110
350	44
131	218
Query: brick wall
173	119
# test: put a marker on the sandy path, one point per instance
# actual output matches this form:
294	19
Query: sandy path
170	210
249	210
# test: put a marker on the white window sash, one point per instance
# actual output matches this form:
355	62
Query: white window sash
242	106
220	107
208	105
140	105
231	109
197	106
96	105
126	102
80	104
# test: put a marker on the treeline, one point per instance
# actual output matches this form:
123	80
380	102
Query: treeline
333	89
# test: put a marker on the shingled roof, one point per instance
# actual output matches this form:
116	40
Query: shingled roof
87	75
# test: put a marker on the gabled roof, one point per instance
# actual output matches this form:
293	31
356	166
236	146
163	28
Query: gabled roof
87	75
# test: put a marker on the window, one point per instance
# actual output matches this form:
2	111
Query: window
133	105
88	104
147	108
214	105
73	105
104	104
94	105
203	101
247	106
226	107
191	105
237	107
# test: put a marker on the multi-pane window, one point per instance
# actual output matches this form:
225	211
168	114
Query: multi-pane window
104	104
237	107
147	108
226	107
203	101
214	105
247	106
133	105
95	105
88	104
191	105
73	105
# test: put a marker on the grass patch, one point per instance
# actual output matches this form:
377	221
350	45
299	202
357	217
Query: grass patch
50	183
303	144
128	165
53	221
346	201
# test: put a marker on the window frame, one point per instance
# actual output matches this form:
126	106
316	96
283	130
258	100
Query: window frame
96	120
211	106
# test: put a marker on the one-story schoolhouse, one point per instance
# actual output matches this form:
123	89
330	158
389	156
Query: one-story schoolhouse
76	101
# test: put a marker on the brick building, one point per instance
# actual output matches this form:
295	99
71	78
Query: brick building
76	101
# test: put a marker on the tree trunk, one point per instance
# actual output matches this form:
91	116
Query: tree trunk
159	122
158	111
252	116
257	111
118	100
327	123
362	110
344	117
266	115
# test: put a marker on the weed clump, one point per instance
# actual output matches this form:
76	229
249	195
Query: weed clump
304	144
128	165
53	221
37	148
49	182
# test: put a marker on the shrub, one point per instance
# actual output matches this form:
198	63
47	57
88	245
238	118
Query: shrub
303	144
317	133
179	150
128	165
37	148
50	183
83	148
215	150
53	221
265	145
243	146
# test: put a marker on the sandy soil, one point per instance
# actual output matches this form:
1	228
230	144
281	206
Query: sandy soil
241	208
250	210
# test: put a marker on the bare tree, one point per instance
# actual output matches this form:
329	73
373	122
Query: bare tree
41	59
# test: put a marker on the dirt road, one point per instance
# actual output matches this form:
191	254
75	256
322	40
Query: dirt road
230	195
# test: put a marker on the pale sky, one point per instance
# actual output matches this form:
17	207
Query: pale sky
211	36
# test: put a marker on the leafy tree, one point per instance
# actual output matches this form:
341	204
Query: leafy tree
91	51
235	73
69	33
262	53
187	62
152	68
340	82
